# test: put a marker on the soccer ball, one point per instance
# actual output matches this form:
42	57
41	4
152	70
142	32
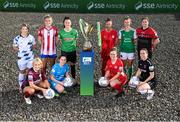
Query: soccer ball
49	93
134	81
68	82
103	82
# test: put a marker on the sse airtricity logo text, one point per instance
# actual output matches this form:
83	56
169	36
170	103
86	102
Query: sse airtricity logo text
46	5
90	5
6	4
138	5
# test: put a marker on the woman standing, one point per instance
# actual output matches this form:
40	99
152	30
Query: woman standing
68	39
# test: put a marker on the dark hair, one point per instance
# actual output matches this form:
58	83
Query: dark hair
108	19
145	18
62	56
47	16
65	18
25	25
145	50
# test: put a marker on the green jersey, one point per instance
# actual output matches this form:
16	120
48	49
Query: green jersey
68	40
127	38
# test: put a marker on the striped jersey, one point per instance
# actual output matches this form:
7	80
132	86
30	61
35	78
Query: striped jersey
48	44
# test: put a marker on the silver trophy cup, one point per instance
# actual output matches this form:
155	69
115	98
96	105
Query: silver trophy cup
86	30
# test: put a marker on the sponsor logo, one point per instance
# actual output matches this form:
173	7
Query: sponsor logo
55	5
141	5
92	5
8	4
87	60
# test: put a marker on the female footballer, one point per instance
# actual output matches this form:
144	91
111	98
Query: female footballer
24	44
48	38
109	37
115	72
36	81
147	37
127	37
59	72
145	73
68	38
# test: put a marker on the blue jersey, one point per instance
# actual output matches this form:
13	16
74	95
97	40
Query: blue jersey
59	72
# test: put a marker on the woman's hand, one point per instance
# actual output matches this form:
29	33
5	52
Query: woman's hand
141	83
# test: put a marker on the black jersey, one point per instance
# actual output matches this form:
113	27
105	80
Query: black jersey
146	67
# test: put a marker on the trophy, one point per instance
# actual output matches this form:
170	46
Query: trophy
86	30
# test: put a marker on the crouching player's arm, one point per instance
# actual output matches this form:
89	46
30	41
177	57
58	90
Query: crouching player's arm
31	84
115	77
151	76
53	79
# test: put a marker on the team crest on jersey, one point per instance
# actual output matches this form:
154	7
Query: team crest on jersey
113	36
115	67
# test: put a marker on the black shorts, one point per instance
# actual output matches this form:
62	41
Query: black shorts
71	56
152	83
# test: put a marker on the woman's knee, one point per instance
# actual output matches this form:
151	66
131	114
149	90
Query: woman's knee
29	90
59	88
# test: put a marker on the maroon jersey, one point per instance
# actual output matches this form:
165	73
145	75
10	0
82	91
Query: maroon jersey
36	77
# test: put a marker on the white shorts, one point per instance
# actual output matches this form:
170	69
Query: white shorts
24	64
125	56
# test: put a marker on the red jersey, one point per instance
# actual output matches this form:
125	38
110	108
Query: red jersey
48	40
36	77
115	68
109	39
148	33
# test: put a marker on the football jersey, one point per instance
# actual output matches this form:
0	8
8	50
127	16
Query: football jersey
48	44
25	45
146	67
127	38
114	68
145	36
36	77
59	72
108	40
68	40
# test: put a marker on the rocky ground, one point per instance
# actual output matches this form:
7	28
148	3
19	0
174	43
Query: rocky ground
102	106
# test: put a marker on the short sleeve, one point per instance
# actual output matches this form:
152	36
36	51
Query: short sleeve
67	68
53	70
154	36
121	66
30	76
76	34
150	67
40	32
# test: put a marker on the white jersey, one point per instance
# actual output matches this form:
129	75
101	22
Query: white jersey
25	45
